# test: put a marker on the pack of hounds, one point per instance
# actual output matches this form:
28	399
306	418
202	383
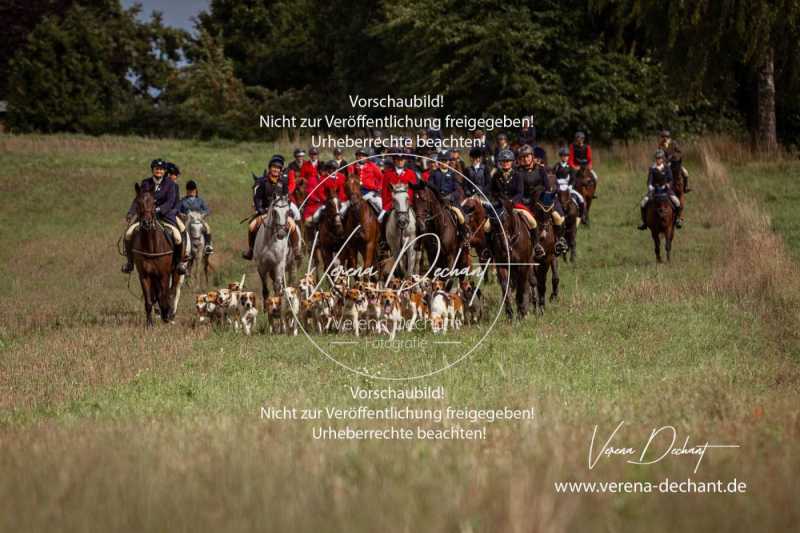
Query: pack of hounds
357	308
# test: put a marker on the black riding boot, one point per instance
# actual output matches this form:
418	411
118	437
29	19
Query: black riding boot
538	250
294	241
209	246
178	260
251	241
127	268
643	225
679	217
686	184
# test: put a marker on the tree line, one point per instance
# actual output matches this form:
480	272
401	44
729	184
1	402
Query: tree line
618	69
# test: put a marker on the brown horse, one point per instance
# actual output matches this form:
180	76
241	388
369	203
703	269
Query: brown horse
330	231
660	217
512	251
475	215
571	221
433	217
587	188
361	222
547	238
152	255
678	184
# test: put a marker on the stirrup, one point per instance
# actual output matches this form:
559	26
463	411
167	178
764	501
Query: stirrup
180	268
538	251
642	226
127	268
247	255
679	223
208	249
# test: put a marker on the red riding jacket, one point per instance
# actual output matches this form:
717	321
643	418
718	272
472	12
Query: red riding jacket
391	177
369	174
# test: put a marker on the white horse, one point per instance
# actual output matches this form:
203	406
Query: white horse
197	243
401	228
272	249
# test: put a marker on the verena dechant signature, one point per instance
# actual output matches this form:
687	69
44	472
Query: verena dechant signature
653	451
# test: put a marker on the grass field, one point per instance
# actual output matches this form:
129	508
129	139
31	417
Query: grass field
106	426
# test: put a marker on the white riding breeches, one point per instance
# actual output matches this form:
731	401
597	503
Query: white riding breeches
375	200
176	234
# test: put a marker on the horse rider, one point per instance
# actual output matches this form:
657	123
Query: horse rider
166	195
660	173
673	155
580	153
329	179
295	168
479	175
527	132
505	183
538	186
565	179
371	179
193	202
311	167
273	184
446	184
172	171
338	156
502	144
393	175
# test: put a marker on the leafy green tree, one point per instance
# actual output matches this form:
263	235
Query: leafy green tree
744	50
88	70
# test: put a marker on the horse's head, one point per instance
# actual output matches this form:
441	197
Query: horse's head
145	207
353	187
474	213
332	206
424	199
564	196
400	203
279	216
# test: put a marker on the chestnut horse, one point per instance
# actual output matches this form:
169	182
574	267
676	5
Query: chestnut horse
433	217
512	251
152	255
660	217
586	186
571	221
361	222
547	238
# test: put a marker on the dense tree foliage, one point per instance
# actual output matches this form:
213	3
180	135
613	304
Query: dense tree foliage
618	69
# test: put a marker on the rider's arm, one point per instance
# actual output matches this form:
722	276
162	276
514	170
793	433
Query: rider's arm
589	157
204	207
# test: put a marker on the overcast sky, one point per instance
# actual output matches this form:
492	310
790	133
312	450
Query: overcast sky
176	13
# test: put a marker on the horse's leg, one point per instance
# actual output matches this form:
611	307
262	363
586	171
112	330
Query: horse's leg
148	299
588	206
264	290
503	279
541	285
521	275
164	300
668	242
555	279
657	244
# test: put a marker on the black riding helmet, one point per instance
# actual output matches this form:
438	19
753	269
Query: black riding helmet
191	185
276	160
172	169
157	163
476	152
539	153
563	151
330	166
